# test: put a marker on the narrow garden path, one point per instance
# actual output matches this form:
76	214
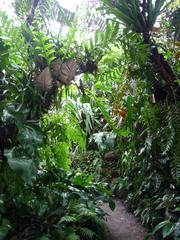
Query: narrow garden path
123	225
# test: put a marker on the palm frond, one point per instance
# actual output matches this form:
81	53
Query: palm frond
150	9
129	13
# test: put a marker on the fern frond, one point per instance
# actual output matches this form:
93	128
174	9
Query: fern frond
171	128
176	151
100	226
86	233
171	131
87	213
68	219
176	163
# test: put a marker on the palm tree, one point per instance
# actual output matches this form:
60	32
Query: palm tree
140	16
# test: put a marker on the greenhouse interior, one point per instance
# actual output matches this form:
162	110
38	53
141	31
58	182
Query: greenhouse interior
89	119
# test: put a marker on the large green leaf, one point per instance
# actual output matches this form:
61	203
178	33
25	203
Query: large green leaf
167	229
4	228
23	166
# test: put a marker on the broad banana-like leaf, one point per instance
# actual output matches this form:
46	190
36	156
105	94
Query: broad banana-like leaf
44	80
68	71
56	68
60	73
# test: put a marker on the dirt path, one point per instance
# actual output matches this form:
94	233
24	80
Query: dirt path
123	225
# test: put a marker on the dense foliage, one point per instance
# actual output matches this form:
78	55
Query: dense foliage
76	113
146	105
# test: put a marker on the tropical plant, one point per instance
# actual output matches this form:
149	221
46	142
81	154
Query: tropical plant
139	109
125	100
140	17
38	199
57	205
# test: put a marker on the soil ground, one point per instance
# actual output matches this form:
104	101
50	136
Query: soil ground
123	225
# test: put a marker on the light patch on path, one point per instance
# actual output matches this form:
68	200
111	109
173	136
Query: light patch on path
123	225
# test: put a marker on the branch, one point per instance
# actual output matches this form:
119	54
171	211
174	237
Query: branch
30	16
144	8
